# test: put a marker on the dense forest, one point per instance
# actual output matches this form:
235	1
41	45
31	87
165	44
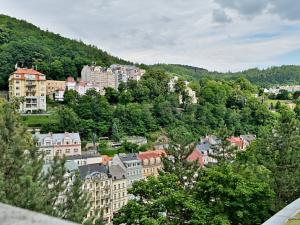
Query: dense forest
23	43
288	74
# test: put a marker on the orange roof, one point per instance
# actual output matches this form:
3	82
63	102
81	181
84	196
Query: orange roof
237	141
106	159
151	154
196	156
27	71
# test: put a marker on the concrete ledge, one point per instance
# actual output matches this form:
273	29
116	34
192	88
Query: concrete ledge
10	215
283	215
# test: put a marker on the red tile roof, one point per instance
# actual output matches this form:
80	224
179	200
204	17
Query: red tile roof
236	141
151	154
27	71
196	155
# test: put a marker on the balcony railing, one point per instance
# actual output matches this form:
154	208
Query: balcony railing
287	214
10	215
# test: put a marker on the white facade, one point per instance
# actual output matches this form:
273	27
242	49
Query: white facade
58	144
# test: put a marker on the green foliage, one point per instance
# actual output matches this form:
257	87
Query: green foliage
55	56
24	182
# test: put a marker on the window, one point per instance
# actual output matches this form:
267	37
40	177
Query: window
67	150
17	81
115	186
123	194
123	185
115	196
17	88
119	186
75	150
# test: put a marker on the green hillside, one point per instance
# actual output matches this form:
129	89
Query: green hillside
289	74
56	56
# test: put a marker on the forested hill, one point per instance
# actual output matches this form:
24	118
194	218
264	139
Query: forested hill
288	74
22	42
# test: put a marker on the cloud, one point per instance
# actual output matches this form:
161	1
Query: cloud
286	9
220	16
215	34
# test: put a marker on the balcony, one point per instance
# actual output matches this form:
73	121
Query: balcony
30	84
12	215
289	215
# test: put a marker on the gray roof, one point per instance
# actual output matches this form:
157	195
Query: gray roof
248	137
128	157
70	166
73	157
56	136
117	172
91	168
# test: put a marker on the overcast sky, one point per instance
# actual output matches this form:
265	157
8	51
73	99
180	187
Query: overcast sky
214	34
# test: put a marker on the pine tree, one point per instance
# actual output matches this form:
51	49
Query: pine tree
20	162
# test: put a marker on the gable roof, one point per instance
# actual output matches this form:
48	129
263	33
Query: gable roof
128	157
151	154
117	172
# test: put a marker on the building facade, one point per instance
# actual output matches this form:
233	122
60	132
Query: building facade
53	85
31	85
58	144
101	77
151	162
132	165
119	187
98	183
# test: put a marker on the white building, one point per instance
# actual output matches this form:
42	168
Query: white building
58	144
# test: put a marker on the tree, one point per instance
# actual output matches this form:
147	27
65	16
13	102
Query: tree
67	120
115	134
278	150
20	163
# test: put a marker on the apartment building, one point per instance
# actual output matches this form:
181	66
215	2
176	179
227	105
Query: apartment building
127	72
60	144
132	165
53	85
119	187
97	182
151	162
101	77
31	85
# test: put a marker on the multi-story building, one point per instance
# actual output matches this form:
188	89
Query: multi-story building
119	187
31	85
192	94
53	85
101	77
86	158
60	144
131	164
151	162
127	72
70	83
98	183
82	87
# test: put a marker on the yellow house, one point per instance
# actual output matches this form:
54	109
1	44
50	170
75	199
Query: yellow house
31	85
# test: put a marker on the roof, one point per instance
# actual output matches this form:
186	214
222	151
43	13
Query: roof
57	136
70	79
117	172
106	159
73	157
27	71
151	154
236	141
91	168
248	137
71	166
196	156
128	157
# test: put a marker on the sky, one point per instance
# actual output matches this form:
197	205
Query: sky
221	35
